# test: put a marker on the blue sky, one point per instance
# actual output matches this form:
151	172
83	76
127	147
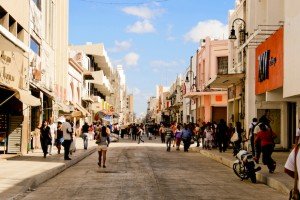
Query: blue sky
153	40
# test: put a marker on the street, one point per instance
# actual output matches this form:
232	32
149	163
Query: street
147	171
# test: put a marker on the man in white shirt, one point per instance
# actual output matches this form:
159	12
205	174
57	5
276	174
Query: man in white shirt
289	166
53	131
297	133
67	135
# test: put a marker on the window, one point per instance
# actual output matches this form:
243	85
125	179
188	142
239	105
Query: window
37	3
35	46
223	65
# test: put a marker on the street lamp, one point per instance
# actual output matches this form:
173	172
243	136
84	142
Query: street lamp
242	31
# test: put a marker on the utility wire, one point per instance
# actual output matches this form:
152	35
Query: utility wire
123	3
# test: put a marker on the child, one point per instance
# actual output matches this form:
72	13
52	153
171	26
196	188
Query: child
208	137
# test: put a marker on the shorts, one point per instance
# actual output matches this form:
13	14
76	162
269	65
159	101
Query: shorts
102	147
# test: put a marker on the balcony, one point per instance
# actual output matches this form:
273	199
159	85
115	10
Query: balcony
101	82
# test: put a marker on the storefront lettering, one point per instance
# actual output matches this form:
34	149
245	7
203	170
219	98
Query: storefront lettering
5	76
265	62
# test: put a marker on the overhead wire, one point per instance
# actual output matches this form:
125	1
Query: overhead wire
123	3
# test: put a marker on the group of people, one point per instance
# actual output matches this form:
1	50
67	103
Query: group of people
59	135
209	135
64	133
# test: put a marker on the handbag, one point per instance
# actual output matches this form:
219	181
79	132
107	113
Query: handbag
294	193
234	137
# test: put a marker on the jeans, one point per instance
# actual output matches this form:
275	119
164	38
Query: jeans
168	141
140	139
186	144
267	159
67	144
85	140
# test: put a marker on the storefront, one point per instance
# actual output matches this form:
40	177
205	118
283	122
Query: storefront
269	89
15	103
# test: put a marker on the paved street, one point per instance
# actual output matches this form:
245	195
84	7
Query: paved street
147	171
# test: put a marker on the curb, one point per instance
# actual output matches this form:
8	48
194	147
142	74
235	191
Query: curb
34	181
261	177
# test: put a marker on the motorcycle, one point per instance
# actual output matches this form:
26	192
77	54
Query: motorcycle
244	166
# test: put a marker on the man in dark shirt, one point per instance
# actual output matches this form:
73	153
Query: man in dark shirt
85	133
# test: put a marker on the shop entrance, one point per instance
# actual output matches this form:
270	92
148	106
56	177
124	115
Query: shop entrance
219	113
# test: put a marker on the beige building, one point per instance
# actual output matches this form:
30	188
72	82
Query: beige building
15	100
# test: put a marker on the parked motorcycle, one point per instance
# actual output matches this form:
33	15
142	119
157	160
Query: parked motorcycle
244	166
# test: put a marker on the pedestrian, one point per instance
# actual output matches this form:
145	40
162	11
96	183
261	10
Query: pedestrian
202	134
257	146
59	137
162	133
291	168
53	132
134	132
208	136
174	128
251	134
197	134
221	136
139	134
67	135
186	137
168	132
45	137
85	135
238	141
102	141
178	136
265	137
91	132
297	134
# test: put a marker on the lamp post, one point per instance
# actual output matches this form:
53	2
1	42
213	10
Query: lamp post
243	32
242	36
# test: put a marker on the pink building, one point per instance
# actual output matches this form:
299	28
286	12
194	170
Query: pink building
212	60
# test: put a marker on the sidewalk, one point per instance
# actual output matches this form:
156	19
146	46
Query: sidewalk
22	173
278	180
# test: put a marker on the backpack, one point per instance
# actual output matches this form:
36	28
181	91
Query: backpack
251	133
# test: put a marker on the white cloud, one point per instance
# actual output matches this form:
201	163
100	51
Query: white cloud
143	12
131	59
157	65
170	37
144	26
121	46
213	28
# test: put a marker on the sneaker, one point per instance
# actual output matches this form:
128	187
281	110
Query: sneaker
99	164
68	159
104	166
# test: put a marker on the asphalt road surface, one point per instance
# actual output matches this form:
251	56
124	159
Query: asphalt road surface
148	171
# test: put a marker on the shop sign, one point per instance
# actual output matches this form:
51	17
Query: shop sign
265	61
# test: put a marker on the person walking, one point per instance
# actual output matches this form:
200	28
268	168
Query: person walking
208	136
59	137
251	135
178	136
85	135
102	141
186	137
162	133
174	128
53	132
45	137
140	134
67	135
237	143
222	138
169	135
265	138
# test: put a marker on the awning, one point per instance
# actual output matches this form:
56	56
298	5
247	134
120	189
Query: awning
225	80
87	99
44	90
62	107
83	111
87	75
26	98
197	94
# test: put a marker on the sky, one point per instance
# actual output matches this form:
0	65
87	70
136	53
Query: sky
153	40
